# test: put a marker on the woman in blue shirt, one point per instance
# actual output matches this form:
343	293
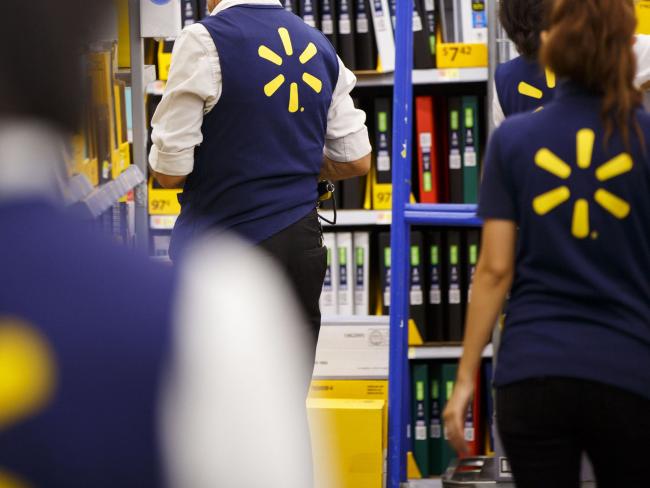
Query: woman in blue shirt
566	204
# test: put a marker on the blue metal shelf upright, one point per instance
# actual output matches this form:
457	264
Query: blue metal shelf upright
403	216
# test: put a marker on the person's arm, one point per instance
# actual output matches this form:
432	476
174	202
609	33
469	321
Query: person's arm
492	281
336	171
347	144
193	89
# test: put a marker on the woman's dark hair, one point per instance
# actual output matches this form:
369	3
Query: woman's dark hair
41	54
523	21
590	42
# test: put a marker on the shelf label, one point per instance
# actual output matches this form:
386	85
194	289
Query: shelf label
461	56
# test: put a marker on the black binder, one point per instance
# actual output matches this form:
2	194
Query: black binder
429	9
366	45
435	257
383	139
309	13
384	270
329	21
417	308
346	28
422	50
353	192
291	6
189	12
454	279
204	11
455	150
473	238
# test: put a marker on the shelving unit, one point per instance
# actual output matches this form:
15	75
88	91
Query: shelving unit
442	352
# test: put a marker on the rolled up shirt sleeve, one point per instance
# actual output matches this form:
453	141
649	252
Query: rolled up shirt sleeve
193	89
347	135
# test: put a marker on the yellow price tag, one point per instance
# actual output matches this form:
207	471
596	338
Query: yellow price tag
462	56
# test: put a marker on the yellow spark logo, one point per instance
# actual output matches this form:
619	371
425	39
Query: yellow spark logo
528	90
272	57
616	206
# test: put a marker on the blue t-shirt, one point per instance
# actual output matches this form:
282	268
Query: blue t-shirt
93	324
522	85
580	302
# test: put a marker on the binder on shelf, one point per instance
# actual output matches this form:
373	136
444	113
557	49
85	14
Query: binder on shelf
427	150
383	145
448	372
473	237
291	6
489	407
449	12
456	193
329	295
473	431
423	59
204	11
189	12
392	5
421	418
329	21
430	23
361	273
470	146
436	308
309	13
417	310
384	270
436	439
345	14
165	49
454	287
474	21
345	270
352	193
366	47
384	35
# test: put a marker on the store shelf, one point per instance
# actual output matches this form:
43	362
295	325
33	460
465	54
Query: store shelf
442	214
428	77
358	217
443	352
162	222
429	483
420	77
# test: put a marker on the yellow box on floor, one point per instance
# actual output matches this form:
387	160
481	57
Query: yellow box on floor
347	442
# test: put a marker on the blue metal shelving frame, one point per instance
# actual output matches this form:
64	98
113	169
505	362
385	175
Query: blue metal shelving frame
404	215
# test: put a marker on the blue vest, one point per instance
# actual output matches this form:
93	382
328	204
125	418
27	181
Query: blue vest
523	86
90	326
579	306
256	171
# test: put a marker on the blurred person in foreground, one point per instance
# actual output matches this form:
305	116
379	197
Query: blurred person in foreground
566	204
115	372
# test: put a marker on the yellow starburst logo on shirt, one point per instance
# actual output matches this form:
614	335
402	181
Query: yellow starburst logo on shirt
530	91
616	206
274	85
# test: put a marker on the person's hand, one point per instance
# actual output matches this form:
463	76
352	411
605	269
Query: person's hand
454	416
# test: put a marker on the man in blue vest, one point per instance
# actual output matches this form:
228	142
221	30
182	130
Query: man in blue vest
257	108
115	372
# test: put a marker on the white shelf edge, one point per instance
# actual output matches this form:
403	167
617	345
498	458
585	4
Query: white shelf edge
429	77
443	352
358	217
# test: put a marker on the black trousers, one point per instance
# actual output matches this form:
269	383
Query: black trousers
546	424
299	251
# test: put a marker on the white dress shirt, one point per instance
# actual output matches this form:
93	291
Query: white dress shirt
642	51
194	88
